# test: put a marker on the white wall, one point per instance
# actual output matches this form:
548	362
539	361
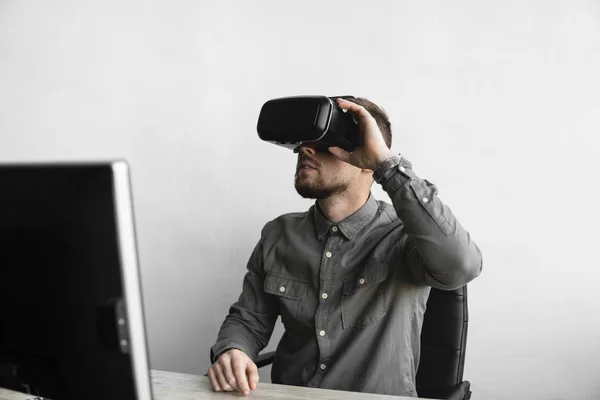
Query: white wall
497	103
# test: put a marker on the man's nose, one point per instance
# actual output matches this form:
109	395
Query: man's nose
307	150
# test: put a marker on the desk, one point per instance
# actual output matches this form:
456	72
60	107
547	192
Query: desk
176	386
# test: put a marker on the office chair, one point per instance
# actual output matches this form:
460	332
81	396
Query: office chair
443	345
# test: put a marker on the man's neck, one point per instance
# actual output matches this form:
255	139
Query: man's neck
339	207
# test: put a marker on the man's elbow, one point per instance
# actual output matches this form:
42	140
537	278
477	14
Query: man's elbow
472	270
467	269
459	273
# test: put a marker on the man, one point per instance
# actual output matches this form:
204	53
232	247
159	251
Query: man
350	277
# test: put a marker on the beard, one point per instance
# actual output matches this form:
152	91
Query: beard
317	189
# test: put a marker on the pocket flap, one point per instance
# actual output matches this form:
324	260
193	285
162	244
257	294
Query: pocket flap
372	275
286	287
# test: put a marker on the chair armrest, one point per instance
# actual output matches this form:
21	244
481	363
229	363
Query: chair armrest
460	392
265	359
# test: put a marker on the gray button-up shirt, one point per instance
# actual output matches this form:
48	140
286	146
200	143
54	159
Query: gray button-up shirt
351	295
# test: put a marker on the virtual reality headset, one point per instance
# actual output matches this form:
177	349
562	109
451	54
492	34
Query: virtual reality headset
316	121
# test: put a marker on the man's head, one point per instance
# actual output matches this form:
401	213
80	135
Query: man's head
320	175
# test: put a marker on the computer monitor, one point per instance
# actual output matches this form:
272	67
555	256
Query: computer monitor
71	314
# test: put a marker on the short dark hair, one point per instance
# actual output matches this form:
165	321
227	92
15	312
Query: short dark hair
383	122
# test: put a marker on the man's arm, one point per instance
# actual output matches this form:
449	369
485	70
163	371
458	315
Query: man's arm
439	250
247	328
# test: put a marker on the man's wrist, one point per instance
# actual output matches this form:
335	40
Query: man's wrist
382	170
382	156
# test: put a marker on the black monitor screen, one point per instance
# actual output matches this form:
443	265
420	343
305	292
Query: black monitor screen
65	309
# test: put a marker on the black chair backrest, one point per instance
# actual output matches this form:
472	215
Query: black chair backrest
443	343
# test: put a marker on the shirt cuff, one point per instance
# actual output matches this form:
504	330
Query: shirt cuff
395	174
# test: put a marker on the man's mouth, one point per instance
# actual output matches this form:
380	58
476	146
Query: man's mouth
306	165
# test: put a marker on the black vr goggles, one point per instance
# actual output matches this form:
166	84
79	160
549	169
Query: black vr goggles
314	120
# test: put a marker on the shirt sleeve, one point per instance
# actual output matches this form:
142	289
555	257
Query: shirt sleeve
438	250
249	324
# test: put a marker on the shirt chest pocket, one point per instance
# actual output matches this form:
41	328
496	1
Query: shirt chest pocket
290	291
364	298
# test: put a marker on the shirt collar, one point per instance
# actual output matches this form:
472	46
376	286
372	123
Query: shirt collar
350	226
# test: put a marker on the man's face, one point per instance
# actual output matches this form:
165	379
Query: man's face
319	174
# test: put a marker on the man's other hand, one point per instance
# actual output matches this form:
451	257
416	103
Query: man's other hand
373	149
233	370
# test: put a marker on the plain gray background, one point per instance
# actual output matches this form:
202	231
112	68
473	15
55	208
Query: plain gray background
495	102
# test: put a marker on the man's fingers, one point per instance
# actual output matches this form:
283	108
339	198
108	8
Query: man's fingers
357	110
252	373
239	372
234	370
340	153
214	381
221	378
228	372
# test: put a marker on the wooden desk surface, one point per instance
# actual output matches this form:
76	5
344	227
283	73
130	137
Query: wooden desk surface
176	386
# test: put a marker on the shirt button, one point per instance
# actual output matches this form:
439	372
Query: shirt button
402	169
282	289
323	366
361	281
322	333
324	296
328	254
425	199
334	228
